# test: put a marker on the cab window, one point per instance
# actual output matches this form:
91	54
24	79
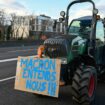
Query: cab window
99	32
80	28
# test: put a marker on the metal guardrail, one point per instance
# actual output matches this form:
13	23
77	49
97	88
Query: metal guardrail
20	43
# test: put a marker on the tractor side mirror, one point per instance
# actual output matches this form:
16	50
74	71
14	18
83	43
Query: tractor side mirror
95	11
62	13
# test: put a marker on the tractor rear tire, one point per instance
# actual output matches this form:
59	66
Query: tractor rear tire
84	85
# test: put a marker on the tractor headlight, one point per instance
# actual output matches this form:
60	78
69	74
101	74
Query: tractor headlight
63	60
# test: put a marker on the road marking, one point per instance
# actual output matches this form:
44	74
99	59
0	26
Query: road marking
13	59
14	51
18	47
8	60
6	79
21	50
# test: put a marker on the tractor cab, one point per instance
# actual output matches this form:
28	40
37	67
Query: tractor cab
81	27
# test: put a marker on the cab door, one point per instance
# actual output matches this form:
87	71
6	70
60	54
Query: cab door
100	45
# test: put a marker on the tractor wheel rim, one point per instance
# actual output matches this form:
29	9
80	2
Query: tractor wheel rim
91	86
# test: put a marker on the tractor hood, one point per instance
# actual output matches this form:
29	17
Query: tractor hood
58	46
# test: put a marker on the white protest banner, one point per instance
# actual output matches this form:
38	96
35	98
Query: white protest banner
38	75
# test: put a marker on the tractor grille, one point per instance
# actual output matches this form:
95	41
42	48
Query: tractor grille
56	47
54	51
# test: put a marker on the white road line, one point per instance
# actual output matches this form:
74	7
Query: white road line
13	59
6	79
14	51
18	47
21	50
8	60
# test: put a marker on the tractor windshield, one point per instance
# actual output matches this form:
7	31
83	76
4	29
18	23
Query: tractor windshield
80	28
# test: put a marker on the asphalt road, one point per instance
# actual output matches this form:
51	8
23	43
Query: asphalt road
9	96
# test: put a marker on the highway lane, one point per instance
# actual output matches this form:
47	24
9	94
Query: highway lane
8	53
8	69
9	96
7	49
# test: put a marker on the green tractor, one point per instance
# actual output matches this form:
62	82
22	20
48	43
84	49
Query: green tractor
82	53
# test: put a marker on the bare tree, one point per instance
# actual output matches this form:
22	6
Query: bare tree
24	24
2	24
13	18
15	24
2	17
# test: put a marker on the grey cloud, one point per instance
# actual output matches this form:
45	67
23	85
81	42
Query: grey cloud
17	5
101	7
14	7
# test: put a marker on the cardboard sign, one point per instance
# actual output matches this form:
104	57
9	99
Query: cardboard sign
40	76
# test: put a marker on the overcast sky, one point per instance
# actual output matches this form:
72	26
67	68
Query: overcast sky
49	7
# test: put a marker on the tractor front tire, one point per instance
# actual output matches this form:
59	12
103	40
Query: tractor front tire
84	85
